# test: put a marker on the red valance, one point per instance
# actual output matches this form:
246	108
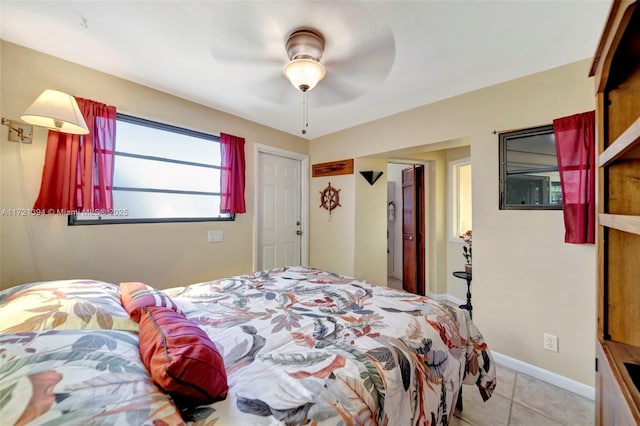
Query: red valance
575	147
232	174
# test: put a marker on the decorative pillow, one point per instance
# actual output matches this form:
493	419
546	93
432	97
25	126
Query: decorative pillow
63	305
136	296
181	358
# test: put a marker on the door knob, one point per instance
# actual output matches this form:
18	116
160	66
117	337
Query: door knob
298	232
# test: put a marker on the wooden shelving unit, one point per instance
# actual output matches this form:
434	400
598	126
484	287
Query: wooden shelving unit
626	223
616	68
625	147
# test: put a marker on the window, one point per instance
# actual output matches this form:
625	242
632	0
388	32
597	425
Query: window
460	190
162	173
529	178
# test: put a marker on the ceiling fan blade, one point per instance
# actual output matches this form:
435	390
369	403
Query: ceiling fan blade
233	41
330	91
368	62
276	89
243	47
333	90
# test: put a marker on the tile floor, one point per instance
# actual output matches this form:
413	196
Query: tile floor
394	283
520	400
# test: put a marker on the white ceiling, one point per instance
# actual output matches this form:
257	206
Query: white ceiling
382	57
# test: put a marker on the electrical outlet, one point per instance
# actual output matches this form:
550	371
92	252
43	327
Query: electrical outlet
215	236
551	342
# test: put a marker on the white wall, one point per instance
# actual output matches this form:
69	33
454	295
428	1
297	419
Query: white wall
37	248
527	281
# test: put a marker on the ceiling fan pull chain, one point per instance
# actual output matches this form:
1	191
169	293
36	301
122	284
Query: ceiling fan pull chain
305	112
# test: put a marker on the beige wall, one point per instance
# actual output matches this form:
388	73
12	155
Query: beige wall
35	248
333	233
527	281
369	216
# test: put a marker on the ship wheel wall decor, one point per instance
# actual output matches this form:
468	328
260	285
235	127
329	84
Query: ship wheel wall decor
330	198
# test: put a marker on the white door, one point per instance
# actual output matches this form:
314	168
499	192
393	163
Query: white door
279	213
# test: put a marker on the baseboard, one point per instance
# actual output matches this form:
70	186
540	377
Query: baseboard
438	297
455	300
545	375
446	297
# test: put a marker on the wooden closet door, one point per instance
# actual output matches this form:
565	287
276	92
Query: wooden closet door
413	229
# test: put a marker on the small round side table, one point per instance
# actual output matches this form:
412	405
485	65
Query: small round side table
466	276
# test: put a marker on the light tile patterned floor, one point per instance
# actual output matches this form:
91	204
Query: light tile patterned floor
520	400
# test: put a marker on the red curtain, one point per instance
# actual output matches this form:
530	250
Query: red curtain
78	169
232	174
575	146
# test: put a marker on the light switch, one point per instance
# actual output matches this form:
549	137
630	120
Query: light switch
215	236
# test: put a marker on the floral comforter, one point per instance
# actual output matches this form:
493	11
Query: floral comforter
301	346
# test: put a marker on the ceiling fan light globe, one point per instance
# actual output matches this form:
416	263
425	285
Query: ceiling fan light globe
304	74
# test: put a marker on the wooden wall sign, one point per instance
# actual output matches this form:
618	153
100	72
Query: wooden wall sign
332	168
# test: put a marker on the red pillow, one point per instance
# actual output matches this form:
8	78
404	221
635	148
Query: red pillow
136	296
181	358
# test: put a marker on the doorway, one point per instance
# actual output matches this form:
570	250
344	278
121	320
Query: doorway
413	229
281	199
407	230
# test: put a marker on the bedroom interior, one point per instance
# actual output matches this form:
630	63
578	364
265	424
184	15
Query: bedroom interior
522	267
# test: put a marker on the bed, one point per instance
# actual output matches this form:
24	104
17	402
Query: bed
296	346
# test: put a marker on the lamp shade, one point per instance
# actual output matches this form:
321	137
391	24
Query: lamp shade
58	111
304	73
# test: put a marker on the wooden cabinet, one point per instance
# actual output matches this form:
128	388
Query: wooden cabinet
616	68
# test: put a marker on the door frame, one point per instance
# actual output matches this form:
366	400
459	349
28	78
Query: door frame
430	263
258	150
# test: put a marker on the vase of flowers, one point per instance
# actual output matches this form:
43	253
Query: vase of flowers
466	250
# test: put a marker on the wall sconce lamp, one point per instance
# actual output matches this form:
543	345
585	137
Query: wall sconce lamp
18	132
371	175
53	110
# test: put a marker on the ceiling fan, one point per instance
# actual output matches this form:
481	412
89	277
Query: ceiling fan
352	54
305	47
304	70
